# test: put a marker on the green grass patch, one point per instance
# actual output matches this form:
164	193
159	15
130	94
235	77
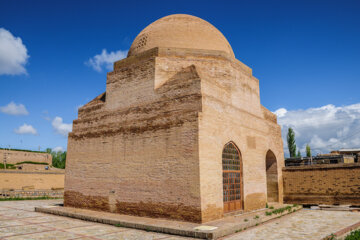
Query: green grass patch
30	162
8	166
28	198
279	210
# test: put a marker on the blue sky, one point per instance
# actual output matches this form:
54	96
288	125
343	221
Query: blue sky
306	55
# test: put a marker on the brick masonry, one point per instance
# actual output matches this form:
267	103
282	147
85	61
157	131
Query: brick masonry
18	180
14	157
152	143
322	184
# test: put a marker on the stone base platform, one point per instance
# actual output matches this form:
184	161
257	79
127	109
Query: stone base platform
210	230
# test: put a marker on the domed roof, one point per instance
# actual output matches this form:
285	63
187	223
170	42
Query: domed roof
180	31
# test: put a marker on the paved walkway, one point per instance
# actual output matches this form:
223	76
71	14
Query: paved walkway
305	224
19	221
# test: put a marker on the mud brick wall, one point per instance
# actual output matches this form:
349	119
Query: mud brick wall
322	184
14	157
19	180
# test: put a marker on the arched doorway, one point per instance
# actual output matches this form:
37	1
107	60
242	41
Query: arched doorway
232	178
272	177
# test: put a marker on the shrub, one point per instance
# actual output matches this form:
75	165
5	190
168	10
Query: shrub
354	235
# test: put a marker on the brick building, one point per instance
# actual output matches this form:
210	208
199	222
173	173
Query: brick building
179	133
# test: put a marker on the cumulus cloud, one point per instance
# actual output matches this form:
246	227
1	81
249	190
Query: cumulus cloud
14	109
60	127
58	149
105	59
13	54
325	128
25	129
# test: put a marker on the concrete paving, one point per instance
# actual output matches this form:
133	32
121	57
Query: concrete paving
19	221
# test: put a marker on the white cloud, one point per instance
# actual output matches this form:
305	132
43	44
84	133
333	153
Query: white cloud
58	149
60	127
14	109
105	59
325	128
26	129
13	54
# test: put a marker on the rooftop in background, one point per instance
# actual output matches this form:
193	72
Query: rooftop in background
350	150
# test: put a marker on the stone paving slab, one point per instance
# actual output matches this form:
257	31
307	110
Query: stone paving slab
304	224
210	230
33	225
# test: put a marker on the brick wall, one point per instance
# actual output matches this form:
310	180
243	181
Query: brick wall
13	157
34	180
322	184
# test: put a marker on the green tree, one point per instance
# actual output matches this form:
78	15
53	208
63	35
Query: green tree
298	154
291	142
58	158
308	150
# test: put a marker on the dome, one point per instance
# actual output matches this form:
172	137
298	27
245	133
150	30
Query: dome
180	31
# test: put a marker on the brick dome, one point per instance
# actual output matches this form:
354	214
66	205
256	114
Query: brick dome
180	31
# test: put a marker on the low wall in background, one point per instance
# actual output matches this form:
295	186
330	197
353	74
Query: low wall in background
322	184
13	156
23	180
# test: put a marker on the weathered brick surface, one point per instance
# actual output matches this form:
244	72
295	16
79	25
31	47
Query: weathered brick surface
13	179
14	157
324	184
152	144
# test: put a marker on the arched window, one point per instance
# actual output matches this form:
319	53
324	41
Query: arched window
232	178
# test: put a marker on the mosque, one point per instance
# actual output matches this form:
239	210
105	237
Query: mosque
180	132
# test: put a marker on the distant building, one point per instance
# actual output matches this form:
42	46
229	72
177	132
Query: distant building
349	152
334	157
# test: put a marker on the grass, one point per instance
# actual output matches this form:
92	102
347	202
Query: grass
256	217
28	198
281	210
245	220
119	225
30	162
8	166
